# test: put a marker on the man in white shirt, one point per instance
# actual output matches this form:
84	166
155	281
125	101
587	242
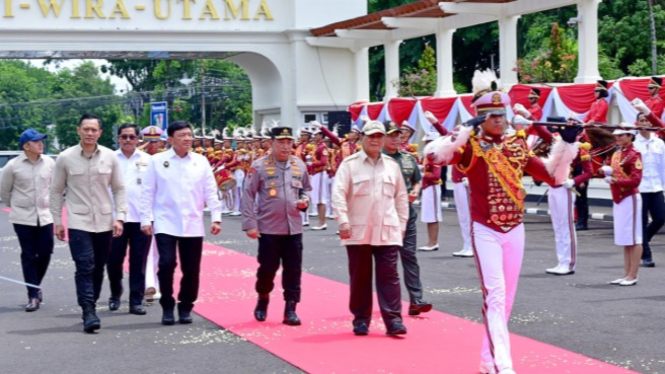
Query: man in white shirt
133	164
652	149
176	186
24	188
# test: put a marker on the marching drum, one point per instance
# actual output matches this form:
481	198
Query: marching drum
225	180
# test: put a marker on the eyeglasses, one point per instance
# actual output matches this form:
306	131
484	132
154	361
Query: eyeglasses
128	137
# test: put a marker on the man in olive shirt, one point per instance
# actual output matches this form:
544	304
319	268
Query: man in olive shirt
24	188
274	194
88	171
407	251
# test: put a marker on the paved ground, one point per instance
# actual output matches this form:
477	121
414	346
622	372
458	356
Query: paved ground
581	313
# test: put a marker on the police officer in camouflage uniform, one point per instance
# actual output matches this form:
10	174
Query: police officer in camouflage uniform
412	177
274	193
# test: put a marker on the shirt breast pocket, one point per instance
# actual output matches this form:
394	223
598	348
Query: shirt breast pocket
389	186
361	185
76	173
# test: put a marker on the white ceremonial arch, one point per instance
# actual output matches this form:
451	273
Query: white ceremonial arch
290	78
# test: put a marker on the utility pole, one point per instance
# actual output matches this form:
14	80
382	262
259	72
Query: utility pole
654	51
203	98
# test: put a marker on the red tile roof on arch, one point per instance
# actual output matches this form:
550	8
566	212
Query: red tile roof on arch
421	8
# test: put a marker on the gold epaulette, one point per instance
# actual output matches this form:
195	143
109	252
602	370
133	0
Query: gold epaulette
585	146
414	146
585	157
521	134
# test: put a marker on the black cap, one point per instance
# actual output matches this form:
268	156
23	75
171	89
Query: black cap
534	93
656	82
602	86
391	127
281	133
557	119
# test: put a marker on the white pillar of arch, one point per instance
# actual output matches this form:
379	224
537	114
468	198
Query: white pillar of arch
391	48
362	73
444	63
508	50
588	41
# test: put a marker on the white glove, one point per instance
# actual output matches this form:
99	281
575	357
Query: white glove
465	182
520	121
608	180
569	184
640	106
315	124
607	170
364	119
521	110
430	117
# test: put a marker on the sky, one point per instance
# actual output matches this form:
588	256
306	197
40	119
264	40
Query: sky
121	84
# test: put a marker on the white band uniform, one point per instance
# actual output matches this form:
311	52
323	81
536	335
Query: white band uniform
319	189
561	203
628	221
461	194
430	204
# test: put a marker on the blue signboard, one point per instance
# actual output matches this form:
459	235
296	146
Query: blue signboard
159	114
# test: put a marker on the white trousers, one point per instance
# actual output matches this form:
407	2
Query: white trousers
562	207
329	209
430	204
628	221
152	266
319	183
239	174
461	194
499	260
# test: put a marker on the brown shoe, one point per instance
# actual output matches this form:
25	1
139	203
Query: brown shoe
32	305
150	294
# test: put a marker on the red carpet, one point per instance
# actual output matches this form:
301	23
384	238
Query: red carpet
435	343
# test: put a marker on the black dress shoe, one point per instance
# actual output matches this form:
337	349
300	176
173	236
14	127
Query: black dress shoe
261	310
648	264
396	328
360	329
32	305
581	227
90	321
139	310
419	306
40	295
168	318
290	316
114	303
185	317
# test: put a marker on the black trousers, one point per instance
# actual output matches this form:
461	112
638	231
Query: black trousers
36	248
139	245
189	249
90	251
387	282
652	203
407	253
582	205
274	249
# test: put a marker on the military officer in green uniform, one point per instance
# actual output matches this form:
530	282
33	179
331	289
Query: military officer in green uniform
412	177
274	193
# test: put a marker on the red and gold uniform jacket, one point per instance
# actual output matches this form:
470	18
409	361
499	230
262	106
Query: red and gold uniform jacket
234	164
431	174
495	167
332	162
655	104
597	112
300	151
319	161
583	159
626	173
536	112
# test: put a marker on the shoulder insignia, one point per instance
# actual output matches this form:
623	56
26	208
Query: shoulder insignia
638	164
585	146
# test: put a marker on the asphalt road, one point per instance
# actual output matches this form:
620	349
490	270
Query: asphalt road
581	313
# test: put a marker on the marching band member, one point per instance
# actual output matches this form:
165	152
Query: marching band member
236	166
430	200
317	163
494	164
534	113
624	175
598	110
655	103
300	151
407	134
561	200
651	187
